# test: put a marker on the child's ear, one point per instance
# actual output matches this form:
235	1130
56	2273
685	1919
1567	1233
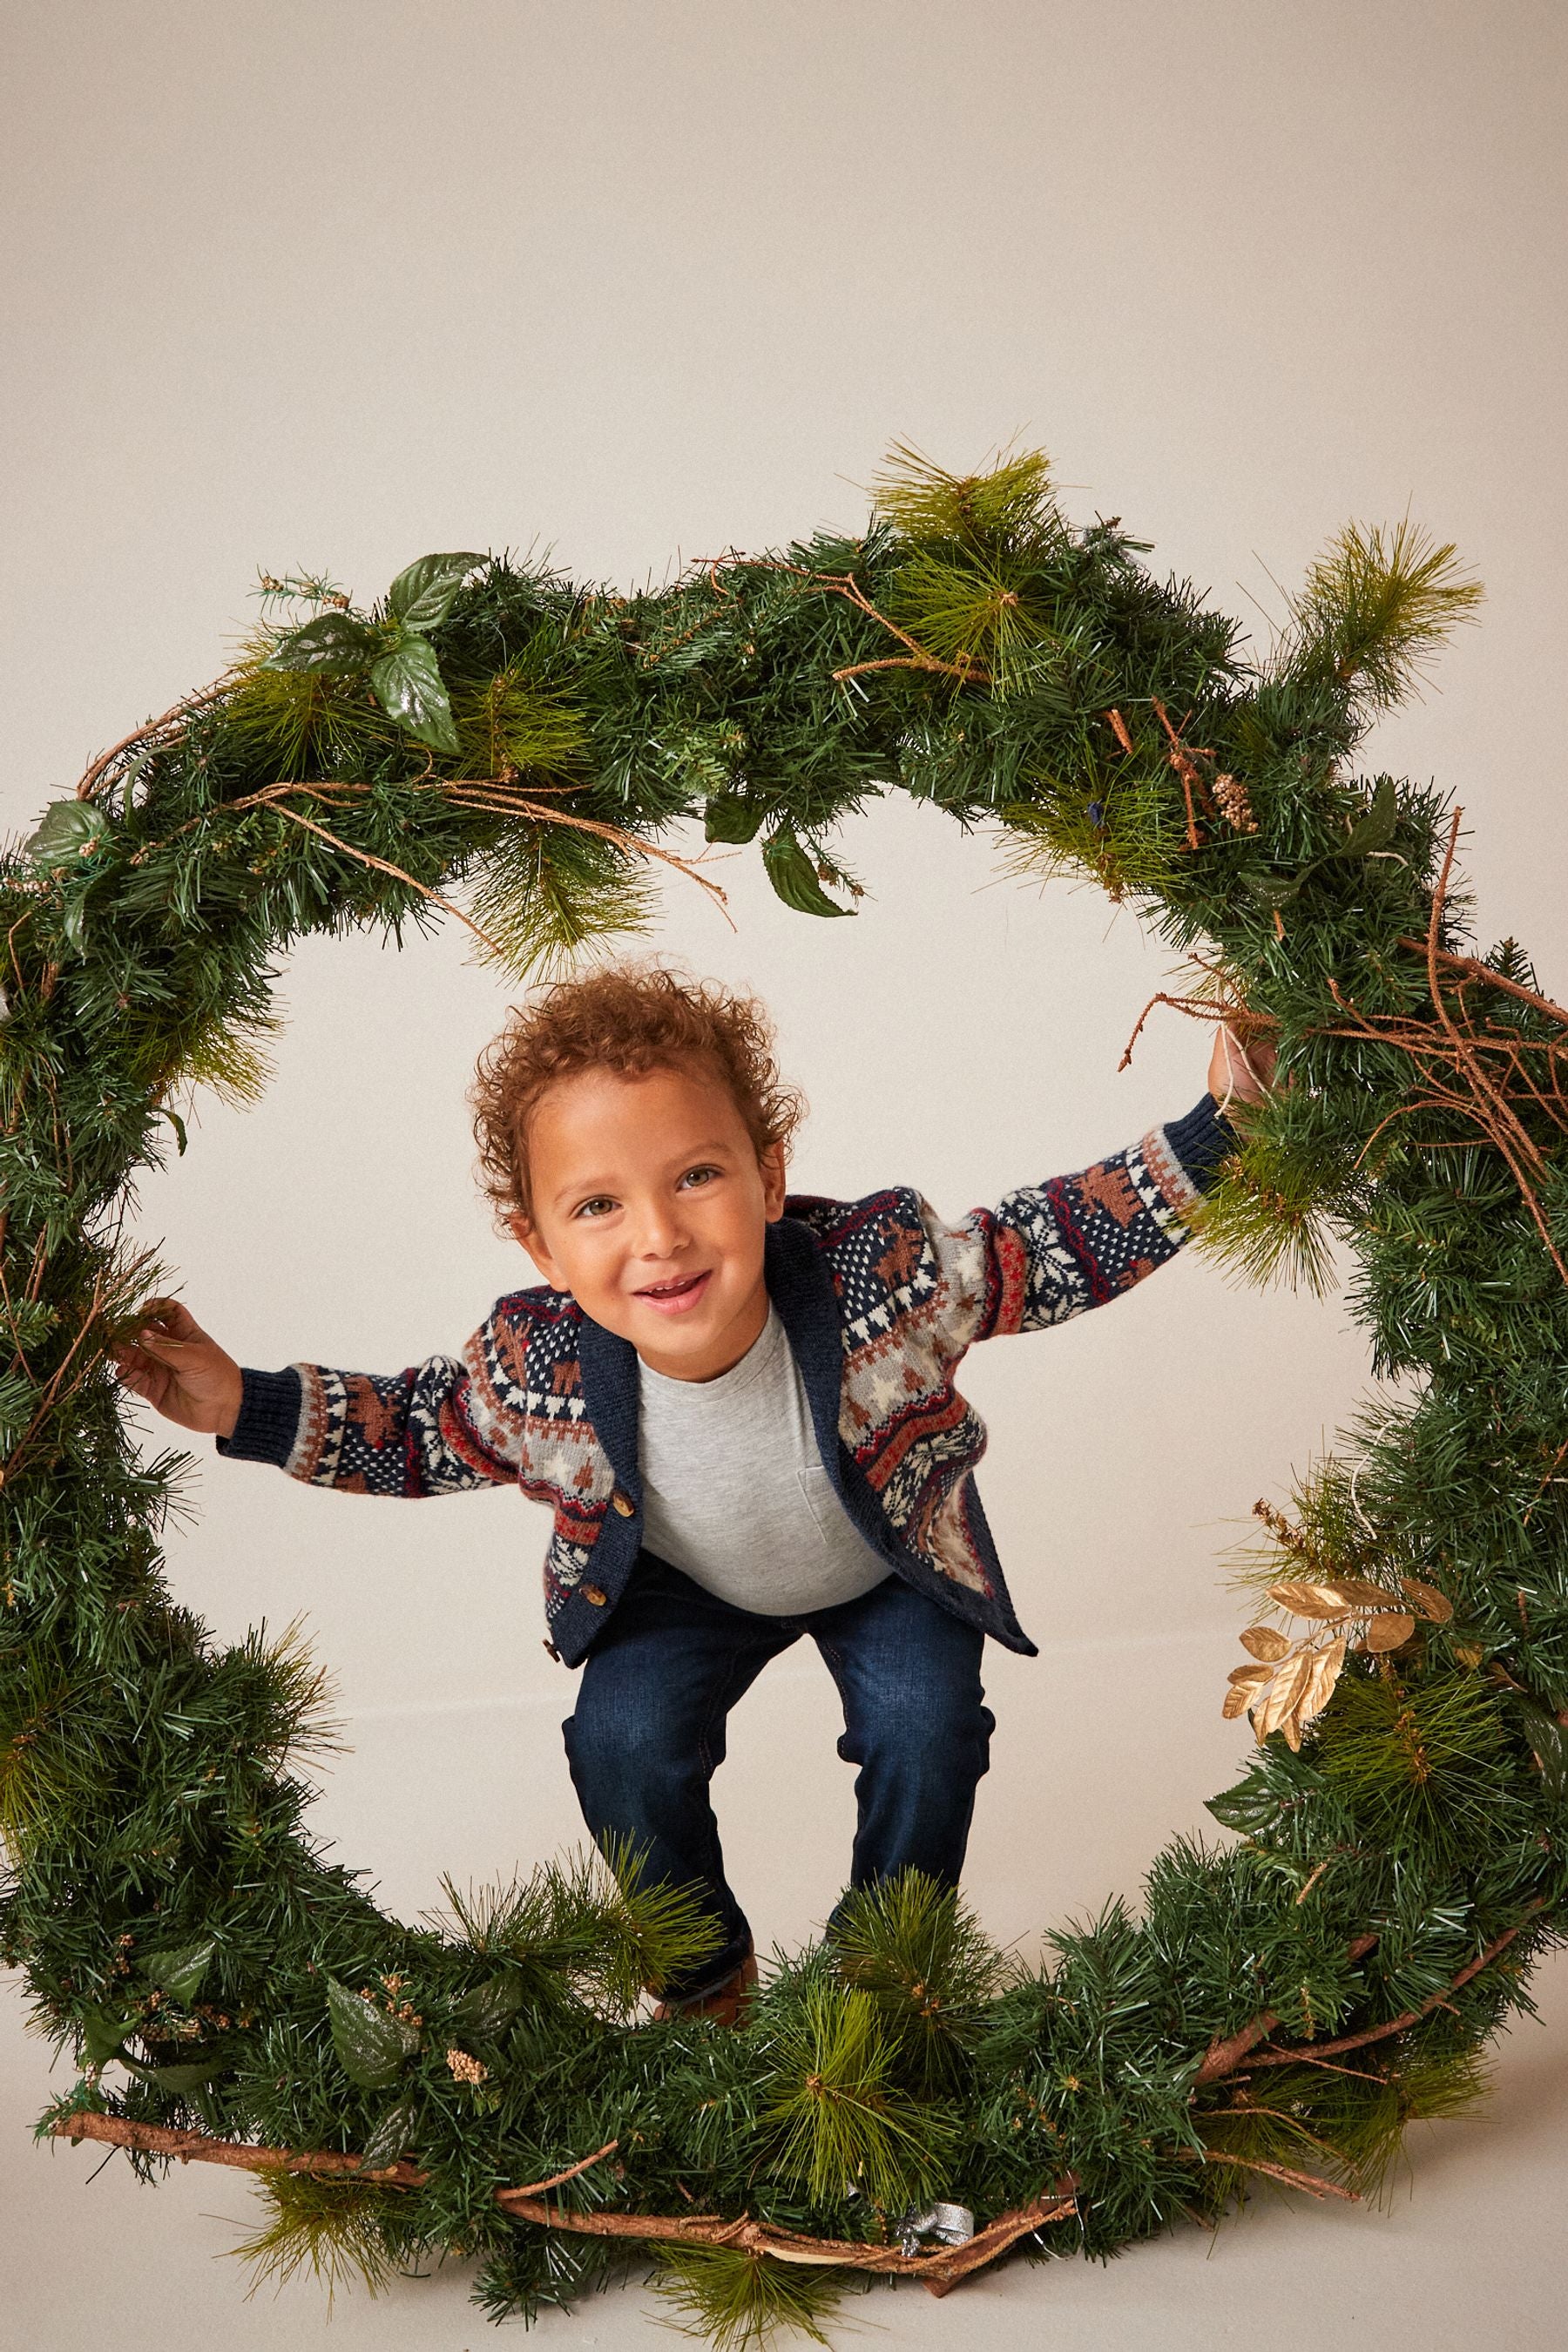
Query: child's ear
526	1237
774	1162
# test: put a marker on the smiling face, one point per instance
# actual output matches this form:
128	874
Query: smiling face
650	1205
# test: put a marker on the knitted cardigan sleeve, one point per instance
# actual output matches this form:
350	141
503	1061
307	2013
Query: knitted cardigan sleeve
439	1427
1050	1251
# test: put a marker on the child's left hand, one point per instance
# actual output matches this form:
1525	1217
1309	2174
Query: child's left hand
1239	1072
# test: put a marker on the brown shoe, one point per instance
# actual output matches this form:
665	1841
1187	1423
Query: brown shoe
726	2004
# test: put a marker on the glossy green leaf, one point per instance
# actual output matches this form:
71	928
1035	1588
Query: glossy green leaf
372	2046
133	767
1375	829
390	2137
194	2076
1370	833
408	683
179	1970
74	924
422	596
1251	1805
728	817
794	876
1549	1738
1275	889
102	2031
488	2008
334	645
68	828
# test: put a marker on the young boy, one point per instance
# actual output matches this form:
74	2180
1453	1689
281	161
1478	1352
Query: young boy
738	1404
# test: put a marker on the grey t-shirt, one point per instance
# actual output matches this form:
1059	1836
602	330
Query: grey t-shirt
734	1493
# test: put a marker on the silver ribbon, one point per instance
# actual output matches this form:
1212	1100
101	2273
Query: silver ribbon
949	2225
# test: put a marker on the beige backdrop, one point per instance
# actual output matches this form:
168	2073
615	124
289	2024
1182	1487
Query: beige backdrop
332	283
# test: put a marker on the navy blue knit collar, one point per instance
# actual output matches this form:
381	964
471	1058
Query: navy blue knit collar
800	1284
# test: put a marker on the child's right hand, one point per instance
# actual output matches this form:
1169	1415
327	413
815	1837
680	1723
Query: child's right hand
181	1372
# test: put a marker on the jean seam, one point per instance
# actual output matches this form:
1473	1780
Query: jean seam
720	1713
833	1659
716	1712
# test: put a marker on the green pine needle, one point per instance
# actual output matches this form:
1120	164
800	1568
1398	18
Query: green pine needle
966	609
37	1773
1011	500
735	2300
331	2230
228	1056
509	722
1122	836
1347	2127
916	1948
299	723
1328	1532
546	895
837	2122
1267	1220
1375	608
656	1932
1418	1762
300	1697
592	1921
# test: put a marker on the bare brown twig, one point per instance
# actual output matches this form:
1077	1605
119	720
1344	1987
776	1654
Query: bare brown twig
1198	1008
529	2203
170	725
490	793
384	867
1401	2024
243	2156
1224	2057
966	669
1313	2182
1186	767
1456	1059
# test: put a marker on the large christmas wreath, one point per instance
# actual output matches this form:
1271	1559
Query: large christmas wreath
493	739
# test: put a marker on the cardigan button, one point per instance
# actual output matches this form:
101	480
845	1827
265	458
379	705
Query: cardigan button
595	1595
623	1504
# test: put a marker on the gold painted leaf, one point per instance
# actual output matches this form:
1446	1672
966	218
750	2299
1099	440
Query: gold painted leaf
1431	1603
1468	1653
1250	1674
1326	1671
1238	1699
1310	1599
1292	1729
1266	1642
1283	1694
1356	1592
1388	1630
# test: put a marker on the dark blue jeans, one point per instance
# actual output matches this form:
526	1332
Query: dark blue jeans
649	1731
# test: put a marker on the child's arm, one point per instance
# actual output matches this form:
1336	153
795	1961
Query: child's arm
1054	1250
437	1428
1050	1251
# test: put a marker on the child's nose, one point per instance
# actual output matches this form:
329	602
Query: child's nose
660	1230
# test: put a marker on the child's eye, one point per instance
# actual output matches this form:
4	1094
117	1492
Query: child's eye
599	1206
700	1175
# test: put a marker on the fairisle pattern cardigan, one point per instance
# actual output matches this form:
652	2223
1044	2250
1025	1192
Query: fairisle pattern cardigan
881	1299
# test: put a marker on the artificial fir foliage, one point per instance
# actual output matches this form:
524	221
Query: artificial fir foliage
493	739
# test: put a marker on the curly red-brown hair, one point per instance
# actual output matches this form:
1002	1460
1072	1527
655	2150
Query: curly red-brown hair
629	1018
